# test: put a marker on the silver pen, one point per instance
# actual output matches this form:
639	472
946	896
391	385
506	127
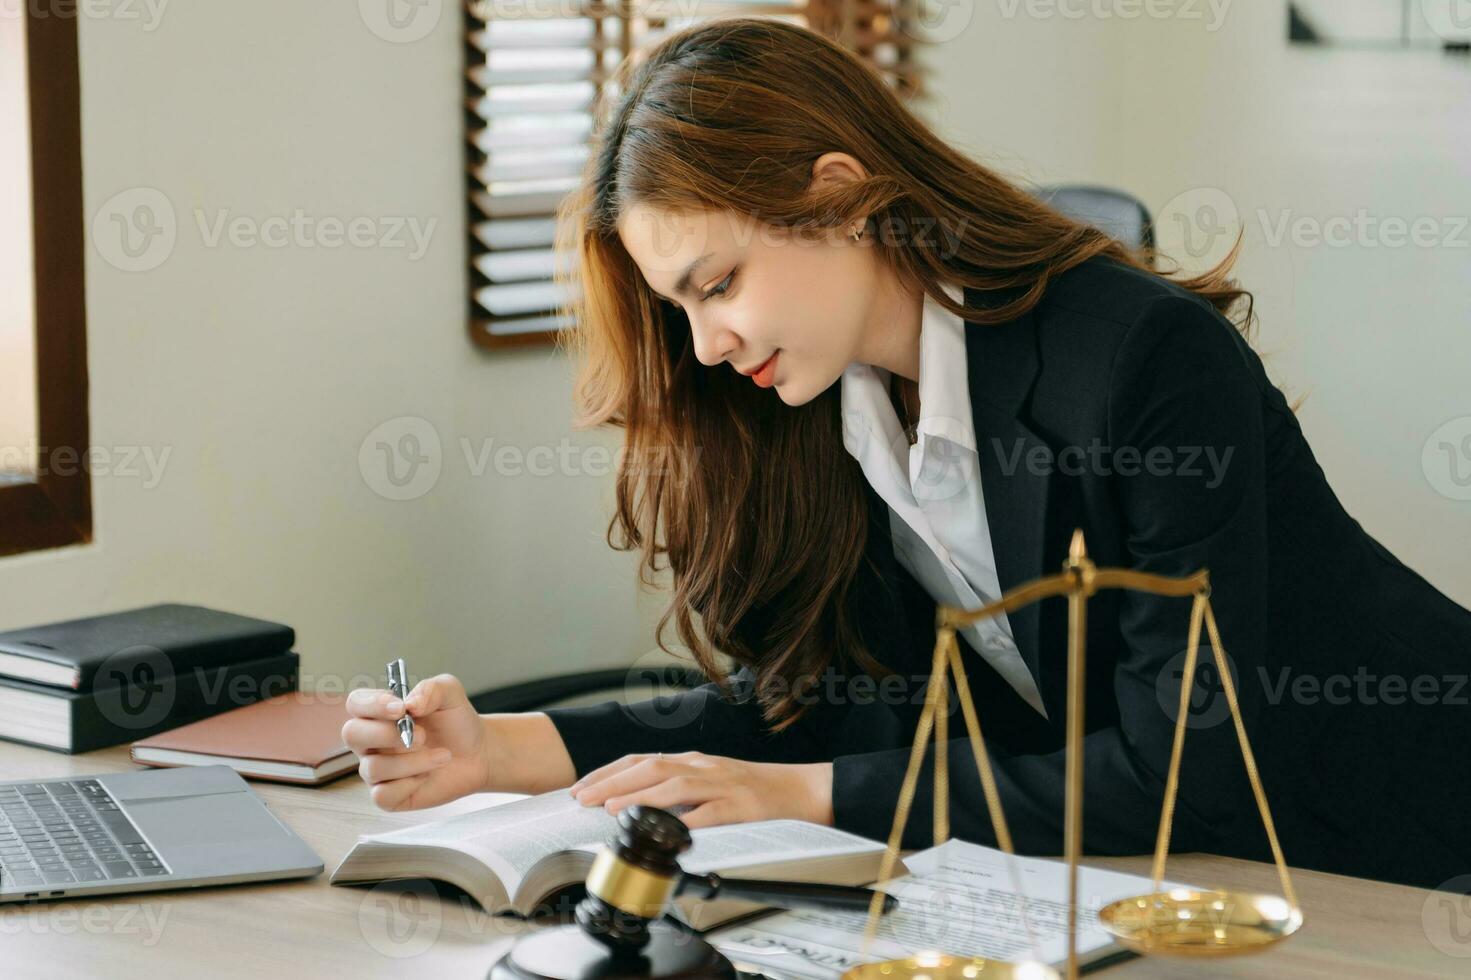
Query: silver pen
398	683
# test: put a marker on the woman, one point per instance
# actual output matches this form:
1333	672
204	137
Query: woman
860	373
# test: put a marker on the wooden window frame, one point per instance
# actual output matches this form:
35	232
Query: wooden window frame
861	27
55	508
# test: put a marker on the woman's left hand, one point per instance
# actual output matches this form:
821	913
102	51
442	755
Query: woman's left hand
719	789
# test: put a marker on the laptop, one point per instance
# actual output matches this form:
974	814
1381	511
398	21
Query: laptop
145	830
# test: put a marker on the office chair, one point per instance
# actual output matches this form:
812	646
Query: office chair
1114	212
619	683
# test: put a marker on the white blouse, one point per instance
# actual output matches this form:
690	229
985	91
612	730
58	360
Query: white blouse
937	511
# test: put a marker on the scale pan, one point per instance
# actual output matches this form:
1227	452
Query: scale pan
1185	922
942	966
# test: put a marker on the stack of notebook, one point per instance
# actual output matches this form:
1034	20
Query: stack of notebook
88	683
291	738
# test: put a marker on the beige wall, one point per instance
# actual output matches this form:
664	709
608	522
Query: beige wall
235	385
250	376
17	311
1197	111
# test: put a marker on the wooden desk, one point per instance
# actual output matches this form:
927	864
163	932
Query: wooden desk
1354	928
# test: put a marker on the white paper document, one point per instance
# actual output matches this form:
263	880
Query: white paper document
959	898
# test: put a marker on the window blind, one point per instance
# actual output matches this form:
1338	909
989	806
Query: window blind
530	85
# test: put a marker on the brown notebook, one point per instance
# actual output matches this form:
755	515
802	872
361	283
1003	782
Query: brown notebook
290	738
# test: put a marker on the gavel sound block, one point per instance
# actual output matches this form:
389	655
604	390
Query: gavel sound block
616	935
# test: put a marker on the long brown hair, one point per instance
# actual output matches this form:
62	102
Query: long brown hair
757	507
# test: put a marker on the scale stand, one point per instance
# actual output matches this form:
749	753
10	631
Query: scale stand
1182	922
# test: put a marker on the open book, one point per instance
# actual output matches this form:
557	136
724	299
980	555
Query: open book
958	898
516	856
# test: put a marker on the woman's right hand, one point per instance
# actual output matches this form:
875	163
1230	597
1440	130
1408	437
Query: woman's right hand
447	758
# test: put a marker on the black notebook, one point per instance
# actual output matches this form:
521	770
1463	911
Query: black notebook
159	640
142	705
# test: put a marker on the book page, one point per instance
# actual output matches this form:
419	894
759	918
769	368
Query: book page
511	837
768	841
958	899
522	832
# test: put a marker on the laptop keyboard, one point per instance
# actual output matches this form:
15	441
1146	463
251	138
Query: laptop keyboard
67	832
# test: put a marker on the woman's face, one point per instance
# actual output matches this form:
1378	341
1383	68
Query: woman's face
789	310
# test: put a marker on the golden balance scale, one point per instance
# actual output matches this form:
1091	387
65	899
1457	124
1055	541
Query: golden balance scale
1177	922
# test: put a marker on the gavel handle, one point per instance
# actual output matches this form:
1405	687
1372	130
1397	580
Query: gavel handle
783	894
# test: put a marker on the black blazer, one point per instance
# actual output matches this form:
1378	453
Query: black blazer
1127	406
